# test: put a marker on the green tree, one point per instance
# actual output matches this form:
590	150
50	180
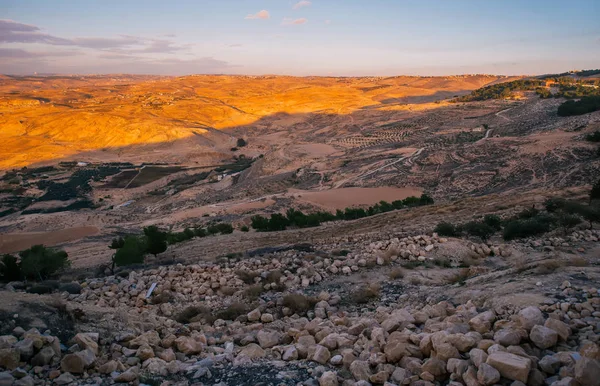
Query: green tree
479	229
132	252
39	262
10	269
595	192
156	240
446	229
117	243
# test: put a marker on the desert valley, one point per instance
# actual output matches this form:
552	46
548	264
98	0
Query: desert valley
272	230
299	193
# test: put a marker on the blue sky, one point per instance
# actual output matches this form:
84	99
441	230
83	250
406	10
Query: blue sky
316	37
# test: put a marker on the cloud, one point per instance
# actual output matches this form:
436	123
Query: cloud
114	64
235	45
264	14
15	32
289	21
17	53
327	21
303	3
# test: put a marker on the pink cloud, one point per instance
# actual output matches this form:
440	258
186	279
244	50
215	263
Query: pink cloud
289	21
264	14
303	3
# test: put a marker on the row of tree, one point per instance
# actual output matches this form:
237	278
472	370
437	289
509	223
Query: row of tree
132	249
35	263
558	213
585	105
298	219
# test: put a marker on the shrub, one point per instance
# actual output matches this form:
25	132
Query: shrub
548	267
585	105
365	294
578	261
446	229
241	142
396	273
232	312
595	192
10	269
117	243
479	229
156	240
246	276
224	229
459	277
298	303
493	221
227	291
529	213
517	229
254	291
39	262
554	204
244	228
340	252
593	137
190	313
200	232
132	252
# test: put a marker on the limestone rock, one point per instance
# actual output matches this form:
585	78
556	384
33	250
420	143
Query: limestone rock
510	366
531	316
543	337
253	351
9	358
268	338
329	378
587	371
487	375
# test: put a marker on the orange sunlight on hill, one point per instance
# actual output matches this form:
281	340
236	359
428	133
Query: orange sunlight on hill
51	118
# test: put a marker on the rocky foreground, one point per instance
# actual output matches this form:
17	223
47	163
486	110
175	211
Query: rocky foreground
252	321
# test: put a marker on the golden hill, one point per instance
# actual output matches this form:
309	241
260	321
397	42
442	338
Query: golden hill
50	118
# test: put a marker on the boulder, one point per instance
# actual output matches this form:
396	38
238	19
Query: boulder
561	328
144	352
25	348
510	366
487	375
108	367
253	351
6	379
329	378
85	341
543	337
128	376
44	357
290	354
507	337
72	363
360	370
530	316
482	323
188	345
587	371
64	379
268	338
254	315
319	354
9	358
7	341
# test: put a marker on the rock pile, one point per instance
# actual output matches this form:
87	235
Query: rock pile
553	344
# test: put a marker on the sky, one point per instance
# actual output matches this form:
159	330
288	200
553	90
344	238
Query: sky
299	37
